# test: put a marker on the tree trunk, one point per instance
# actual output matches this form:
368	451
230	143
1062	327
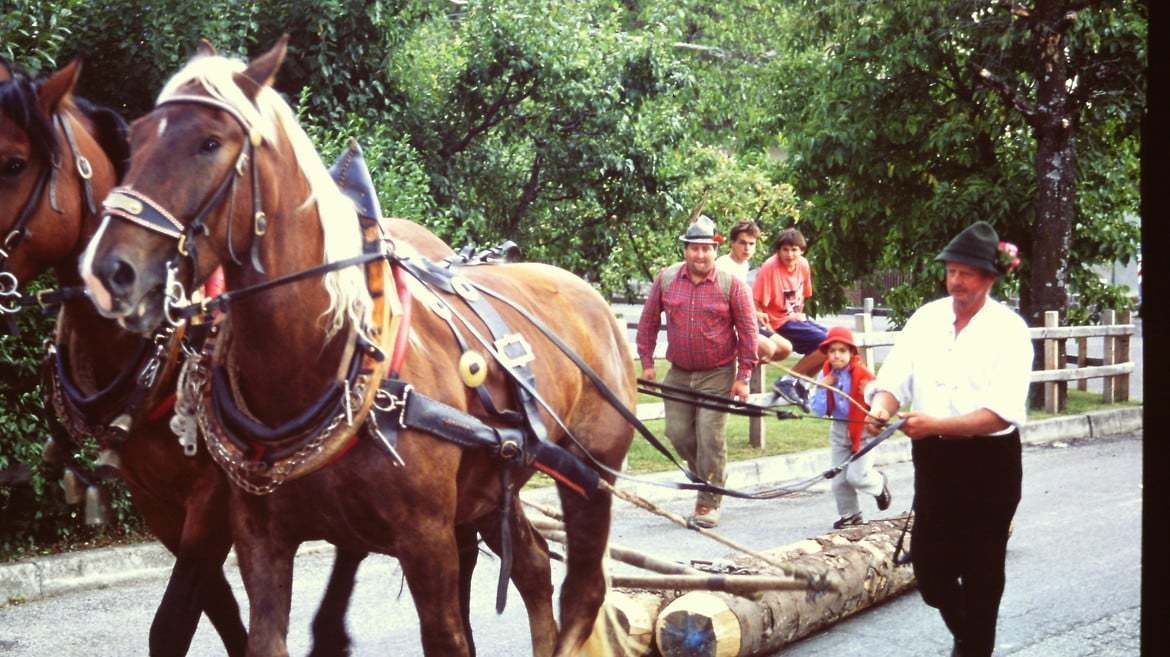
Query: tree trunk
1054	124
706	624
625	624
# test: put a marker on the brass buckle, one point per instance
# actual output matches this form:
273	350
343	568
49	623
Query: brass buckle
514	360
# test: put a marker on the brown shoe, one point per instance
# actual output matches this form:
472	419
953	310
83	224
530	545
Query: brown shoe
704	516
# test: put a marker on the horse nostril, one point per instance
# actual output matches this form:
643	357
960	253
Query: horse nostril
123	274
117	275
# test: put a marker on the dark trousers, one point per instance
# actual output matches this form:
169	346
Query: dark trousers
965	493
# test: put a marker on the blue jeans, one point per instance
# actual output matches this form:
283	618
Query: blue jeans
804	334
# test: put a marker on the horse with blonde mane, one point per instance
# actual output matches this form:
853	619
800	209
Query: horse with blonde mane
286	359
59	156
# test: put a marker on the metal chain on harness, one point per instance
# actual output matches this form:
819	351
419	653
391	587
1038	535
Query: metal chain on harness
259	477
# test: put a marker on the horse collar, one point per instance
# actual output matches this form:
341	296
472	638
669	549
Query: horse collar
109	414
259	458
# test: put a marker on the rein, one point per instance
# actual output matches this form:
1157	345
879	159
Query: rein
14	301
206	308
697	483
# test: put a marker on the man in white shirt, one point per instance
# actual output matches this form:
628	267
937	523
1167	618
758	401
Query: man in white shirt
964	364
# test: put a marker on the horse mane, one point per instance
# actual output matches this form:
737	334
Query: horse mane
348	296
18	101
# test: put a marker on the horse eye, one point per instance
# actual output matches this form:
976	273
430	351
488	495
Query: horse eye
209	145
12	167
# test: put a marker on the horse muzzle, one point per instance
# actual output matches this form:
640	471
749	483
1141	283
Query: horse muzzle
120	292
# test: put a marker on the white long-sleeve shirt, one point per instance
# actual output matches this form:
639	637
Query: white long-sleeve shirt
987	365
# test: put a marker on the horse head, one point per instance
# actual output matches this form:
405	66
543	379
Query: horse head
220	175
57	154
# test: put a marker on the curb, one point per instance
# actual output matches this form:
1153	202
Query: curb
61	574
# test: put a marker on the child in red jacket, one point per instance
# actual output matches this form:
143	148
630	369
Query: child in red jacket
843	370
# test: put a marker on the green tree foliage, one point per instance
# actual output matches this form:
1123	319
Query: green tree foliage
540	122
588	131
899	139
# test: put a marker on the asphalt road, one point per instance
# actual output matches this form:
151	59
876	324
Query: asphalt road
1073	577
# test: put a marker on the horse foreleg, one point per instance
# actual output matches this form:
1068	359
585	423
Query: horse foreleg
219	603
467	540
178	613
330	638
531	574
266	566
583	591
198	535
435	587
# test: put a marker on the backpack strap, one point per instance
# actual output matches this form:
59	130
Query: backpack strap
721	277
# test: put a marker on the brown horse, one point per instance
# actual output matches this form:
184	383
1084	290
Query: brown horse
173	492
45	212
47	216
281	351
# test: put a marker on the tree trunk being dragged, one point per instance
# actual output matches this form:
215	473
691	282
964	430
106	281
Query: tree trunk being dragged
625	624
707	624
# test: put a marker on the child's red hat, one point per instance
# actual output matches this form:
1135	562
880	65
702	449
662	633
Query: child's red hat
840	334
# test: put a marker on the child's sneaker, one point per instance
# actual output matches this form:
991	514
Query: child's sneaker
792	390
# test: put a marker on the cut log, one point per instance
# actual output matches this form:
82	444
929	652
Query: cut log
708	624
737	584
625	624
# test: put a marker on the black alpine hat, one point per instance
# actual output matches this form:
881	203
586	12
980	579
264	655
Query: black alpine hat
976	246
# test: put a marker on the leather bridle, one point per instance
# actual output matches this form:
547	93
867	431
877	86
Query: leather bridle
10	301
131	205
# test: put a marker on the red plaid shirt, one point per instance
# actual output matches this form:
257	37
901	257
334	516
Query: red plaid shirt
701	324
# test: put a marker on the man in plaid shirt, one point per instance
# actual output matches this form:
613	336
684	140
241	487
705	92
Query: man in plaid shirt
711	345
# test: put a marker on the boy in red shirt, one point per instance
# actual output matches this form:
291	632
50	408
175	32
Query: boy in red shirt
781	286
843	370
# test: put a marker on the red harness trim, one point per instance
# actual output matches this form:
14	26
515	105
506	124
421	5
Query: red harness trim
560	477
162	409
402	340
401	345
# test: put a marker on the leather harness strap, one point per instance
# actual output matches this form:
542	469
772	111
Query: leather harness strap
84	168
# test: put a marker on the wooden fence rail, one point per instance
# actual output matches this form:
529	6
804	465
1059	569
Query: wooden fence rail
1114	366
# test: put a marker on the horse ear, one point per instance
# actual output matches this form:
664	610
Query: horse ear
204	49
261	72
5	71
58	86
